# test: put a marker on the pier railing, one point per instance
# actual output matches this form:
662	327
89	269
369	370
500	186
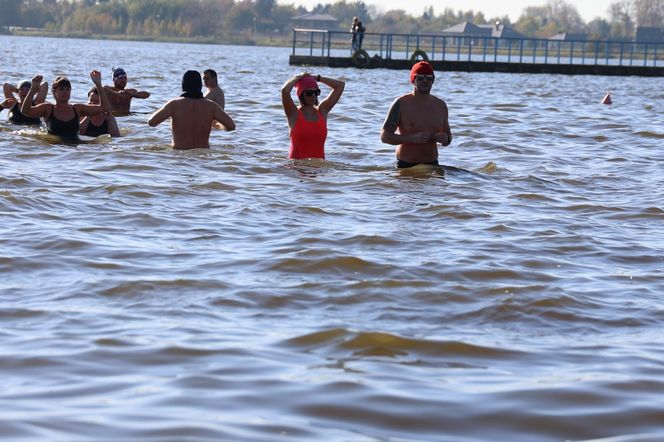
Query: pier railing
322	43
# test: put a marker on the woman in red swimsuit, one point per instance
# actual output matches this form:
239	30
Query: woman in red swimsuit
308	122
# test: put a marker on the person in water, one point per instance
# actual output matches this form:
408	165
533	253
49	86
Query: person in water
118	94
15	115
214	92
62	118
100	124
7	103
420	118
308	122
192	115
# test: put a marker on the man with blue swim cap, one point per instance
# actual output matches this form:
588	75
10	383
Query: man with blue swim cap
118	94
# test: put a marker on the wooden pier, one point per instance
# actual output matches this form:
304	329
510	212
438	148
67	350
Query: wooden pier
312	47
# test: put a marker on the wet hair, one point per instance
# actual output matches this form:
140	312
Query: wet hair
60	82
211	72
192	84
93	90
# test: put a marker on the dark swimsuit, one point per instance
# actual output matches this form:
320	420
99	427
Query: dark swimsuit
65	129
406	164
95	131
17	117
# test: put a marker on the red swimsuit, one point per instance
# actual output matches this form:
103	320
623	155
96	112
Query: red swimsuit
308	137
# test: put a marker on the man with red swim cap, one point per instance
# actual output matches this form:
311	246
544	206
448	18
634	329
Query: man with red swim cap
421	120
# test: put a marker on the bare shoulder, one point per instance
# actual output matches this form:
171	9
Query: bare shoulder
399	101
403	98
209	102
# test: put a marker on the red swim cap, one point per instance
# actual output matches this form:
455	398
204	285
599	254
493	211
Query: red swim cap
421	67
304	83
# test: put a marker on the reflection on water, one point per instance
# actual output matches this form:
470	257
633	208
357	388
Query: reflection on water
227	294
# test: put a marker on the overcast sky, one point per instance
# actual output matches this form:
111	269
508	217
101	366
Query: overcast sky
491	8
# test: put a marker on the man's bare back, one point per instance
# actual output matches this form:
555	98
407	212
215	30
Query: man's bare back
192	115
191	121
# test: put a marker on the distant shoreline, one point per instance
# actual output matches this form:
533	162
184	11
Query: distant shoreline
258	40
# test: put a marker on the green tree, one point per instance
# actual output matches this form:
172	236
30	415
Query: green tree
11	12
264	8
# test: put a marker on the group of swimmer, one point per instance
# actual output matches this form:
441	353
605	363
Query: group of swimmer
416	122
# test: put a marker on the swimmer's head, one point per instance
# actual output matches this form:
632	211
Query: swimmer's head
191	82
210	78
23	88
304	84
119	77
421	68
93	95
60	83
61	89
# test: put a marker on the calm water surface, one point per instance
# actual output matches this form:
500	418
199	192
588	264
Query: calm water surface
154	295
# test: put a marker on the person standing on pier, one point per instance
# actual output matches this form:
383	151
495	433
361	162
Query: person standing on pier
421	120
353	31
359	32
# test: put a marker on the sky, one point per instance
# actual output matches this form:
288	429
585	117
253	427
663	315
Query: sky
491	8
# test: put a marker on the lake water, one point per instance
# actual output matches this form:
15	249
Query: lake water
148	294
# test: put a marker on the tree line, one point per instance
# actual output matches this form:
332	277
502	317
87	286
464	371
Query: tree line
235	20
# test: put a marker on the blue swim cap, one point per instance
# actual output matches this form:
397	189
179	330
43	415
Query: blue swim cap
118	72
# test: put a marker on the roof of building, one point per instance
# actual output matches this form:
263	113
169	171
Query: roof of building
468	29
567	36
646	34
316	17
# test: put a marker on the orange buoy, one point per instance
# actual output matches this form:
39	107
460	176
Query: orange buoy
607	99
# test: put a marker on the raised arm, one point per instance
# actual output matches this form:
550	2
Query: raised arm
9	90
7	103
93	109
41	93
161	115
333	97
290	109
38	110
223	118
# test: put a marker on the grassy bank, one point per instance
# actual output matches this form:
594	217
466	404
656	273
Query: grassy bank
245	40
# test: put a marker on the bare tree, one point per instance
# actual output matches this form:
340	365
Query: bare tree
621	14
649	12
